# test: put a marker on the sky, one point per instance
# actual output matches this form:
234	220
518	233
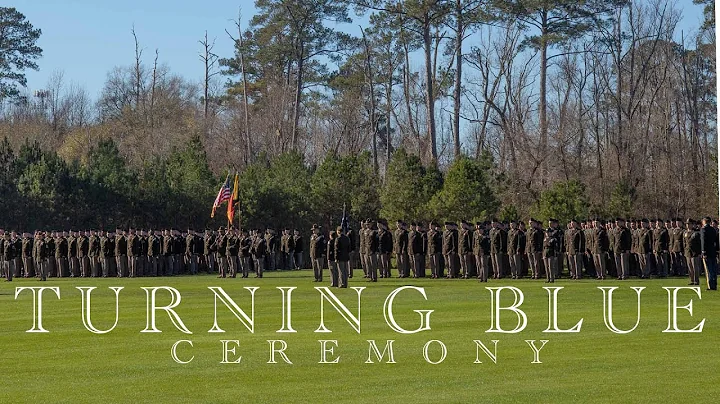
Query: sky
86	39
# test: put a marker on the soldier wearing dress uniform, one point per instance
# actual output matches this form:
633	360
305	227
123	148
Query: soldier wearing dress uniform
450	249
232	248
481	252
465	249
434	250
259	250
552	241
709	246
352	263
693	251
317	252
245	244
385	248
677	249
661	247
167	251
645	249
209	251
372	248
342	256
6	255
534	247
400	248
121	248
27	255
601	246
41	254
154	252
133	253
51	263
362	248
104	254
497	248
93	254
299	250
623	244
287	248
332	263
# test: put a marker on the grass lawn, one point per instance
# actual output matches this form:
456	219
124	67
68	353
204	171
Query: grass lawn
71	364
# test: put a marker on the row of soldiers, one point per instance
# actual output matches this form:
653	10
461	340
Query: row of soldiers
594	248
139	253
496	249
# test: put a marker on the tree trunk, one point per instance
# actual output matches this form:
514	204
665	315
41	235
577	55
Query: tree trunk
429	91
458	76
542	105
298	95
371	84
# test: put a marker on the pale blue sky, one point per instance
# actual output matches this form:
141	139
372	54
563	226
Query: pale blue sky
87	38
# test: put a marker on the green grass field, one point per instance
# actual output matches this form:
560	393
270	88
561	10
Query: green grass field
70	364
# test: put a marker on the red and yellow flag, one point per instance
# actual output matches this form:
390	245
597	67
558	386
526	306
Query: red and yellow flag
232	203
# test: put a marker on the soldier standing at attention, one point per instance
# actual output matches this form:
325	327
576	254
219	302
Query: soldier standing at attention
450	249
693	251
411	251
372	247
579	247
481	250
363	238
464	248
418	251
245	243
551	250
677	248
232	249
208	249
93	253
317	252
190	255
259	250
167	252
154	250
537	243
121	246
332	263
385	247
50	245
496	249
342	256
144	266
353	250
61	248
299	250
8	257
400	239
513	238
434	247
104	253
133	252
601	245
645	249
179	252
709	247
622	247
221	247
72	255
83	249
661	239
287	247
42	256
27	255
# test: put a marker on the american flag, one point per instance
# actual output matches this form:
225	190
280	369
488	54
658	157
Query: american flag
223	195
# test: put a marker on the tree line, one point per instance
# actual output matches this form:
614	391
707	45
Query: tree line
434	109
